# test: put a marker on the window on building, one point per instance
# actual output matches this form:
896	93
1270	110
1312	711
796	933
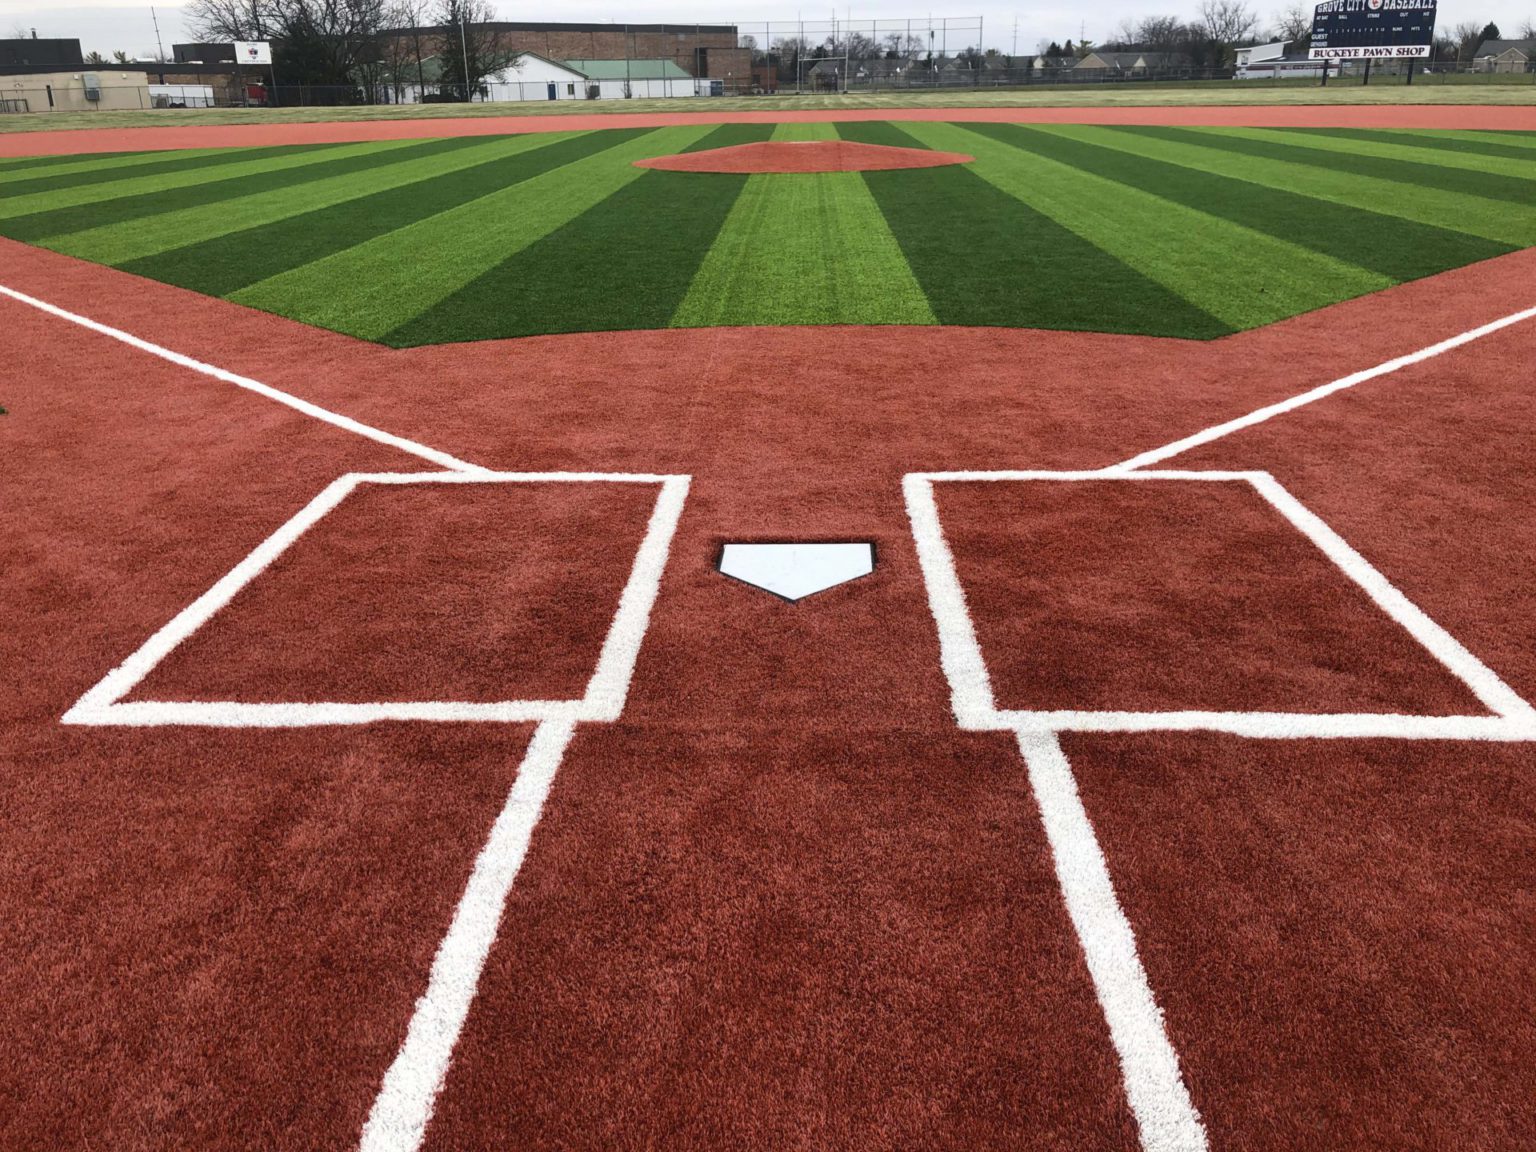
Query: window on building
570	89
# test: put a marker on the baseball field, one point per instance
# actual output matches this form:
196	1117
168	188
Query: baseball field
394	754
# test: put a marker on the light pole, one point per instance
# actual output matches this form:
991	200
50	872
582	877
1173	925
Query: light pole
464	48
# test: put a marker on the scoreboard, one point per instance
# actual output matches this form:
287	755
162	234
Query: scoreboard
1372	29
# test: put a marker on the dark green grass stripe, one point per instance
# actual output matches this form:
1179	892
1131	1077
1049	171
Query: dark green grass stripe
983	257
23	162
1392	246
877	132
1422	140
61	221
627	263
223	266
154	168
1406	172
730	135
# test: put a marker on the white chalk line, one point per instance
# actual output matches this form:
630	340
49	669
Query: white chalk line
1260	415
1154	1086
1166	1118
346	423
602	700
974	704
398	1120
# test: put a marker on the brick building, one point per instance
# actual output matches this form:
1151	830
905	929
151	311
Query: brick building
710	50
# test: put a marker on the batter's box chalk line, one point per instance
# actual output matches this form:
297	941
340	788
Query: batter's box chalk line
602	700
1509	716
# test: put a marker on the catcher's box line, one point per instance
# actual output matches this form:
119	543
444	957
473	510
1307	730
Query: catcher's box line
602	700
975	707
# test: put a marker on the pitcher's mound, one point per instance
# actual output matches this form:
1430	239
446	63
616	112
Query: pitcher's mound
804	156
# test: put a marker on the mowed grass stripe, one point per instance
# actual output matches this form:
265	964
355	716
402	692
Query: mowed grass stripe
22	163
982	256
807	248
1242	277
1016	260
130	186
1396	248
1453	210
287	173
48	166
149	164
1458	142
378	286
1520	170
121	243
794	132
877	132
625	263
1411	174
224	265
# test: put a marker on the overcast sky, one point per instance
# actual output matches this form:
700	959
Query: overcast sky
126	25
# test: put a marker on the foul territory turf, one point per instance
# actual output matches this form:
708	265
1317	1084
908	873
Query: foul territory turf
1190	232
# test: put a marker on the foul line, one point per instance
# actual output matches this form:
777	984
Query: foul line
403	1108
346	423
1217	431
1165	1116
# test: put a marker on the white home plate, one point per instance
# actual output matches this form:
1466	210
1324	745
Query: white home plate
794	571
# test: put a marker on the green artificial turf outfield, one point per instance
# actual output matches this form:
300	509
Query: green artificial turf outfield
1187	232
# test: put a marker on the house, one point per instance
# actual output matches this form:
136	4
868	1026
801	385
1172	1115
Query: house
1053	63
1128	63
1505	56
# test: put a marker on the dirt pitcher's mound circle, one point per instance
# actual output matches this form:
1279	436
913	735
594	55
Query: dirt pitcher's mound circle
804	156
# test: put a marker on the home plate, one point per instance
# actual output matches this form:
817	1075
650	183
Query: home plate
795	571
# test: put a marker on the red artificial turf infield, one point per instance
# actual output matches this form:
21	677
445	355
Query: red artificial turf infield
1161	595
783	901
172	135
804	156
484	592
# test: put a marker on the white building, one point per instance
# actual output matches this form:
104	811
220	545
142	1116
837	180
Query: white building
528	76
1269	61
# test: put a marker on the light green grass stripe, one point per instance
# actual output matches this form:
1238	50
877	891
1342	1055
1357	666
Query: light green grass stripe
792	132
97	164
1242	277
804	249
148	235
1473	162
1523	140
375	287
140	185
1491	219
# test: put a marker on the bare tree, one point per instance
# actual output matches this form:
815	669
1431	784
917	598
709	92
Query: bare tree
1468	35
1528	30
1293	24
225	21
120	57
1228	22
1162	34
471	49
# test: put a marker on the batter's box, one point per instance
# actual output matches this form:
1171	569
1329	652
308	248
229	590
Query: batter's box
1145	601
452	596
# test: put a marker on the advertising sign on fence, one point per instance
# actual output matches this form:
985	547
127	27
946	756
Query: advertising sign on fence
253	52
1372	29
